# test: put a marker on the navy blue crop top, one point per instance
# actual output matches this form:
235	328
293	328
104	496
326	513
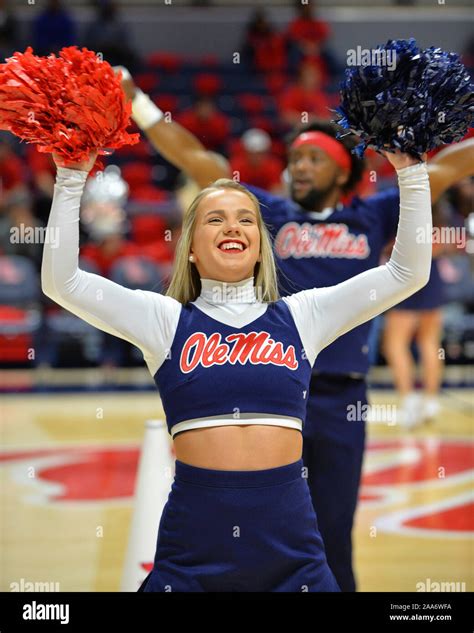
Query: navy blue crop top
220	374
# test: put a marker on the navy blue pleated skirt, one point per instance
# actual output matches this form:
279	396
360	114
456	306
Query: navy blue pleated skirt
239	531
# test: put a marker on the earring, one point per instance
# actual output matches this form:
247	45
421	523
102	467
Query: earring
191	258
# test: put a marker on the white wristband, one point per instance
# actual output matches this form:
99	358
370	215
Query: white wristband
144	112
125	72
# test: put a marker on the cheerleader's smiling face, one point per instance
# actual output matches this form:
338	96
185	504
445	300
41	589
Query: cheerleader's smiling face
226	238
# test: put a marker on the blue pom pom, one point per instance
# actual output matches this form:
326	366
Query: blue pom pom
424	100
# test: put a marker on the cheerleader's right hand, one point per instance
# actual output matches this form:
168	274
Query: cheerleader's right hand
83	166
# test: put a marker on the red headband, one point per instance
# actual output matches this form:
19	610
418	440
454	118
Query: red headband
330	145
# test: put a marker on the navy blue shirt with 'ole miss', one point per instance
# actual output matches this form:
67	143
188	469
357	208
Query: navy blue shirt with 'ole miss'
318	249
218	369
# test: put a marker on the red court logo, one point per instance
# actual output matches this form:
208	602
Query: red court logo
396	468
393	469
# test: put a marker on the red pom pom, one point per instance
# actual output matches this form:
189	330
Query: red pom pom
68	105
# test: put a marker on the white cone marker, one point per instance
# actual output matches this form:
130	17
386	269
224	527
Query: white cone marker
153	485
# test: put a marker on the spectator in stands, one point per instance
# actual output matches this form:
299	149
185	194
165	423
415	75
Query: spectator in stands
206	122
105	223
304	100
42	172
255	165
109	35
53	29
309	38
306	32
18	214
159	242
264	48
12	173
8	30
258	31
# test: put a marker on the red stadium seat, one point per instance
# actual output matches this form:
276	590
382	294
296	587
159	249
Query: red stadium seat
158	251
167	102
141	150
147	228
169	62
15	345
15	348
148	193
137	174
147	81
263	123
279	149
252	104
207	84
235	147
19	307
275	83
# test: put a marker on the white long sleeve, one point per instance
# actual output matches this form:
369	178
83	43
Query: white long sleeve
145	319
149	320
324	314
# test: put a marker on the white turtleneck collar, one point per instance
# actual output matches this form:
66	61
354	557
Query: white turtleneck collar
233	303
219	292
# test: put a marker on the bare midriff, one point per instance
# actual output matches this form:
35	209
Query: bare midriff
239	447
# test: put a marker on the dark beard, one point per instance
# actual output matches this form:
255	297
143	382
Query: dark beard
314	199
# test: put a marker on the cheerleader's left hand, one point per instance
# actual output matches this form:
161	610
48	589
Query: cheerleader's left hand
399	160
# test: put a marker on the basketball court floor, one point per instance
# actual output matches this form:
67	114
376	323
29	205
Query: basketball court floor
68	464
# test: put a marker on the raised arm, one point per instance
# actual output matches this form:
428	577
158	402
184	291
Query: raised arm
324	314
145	319
181	148
186	152
449	166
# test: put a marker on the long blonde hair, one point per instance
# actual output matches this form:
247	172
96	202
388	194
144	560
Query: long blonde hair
185	285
